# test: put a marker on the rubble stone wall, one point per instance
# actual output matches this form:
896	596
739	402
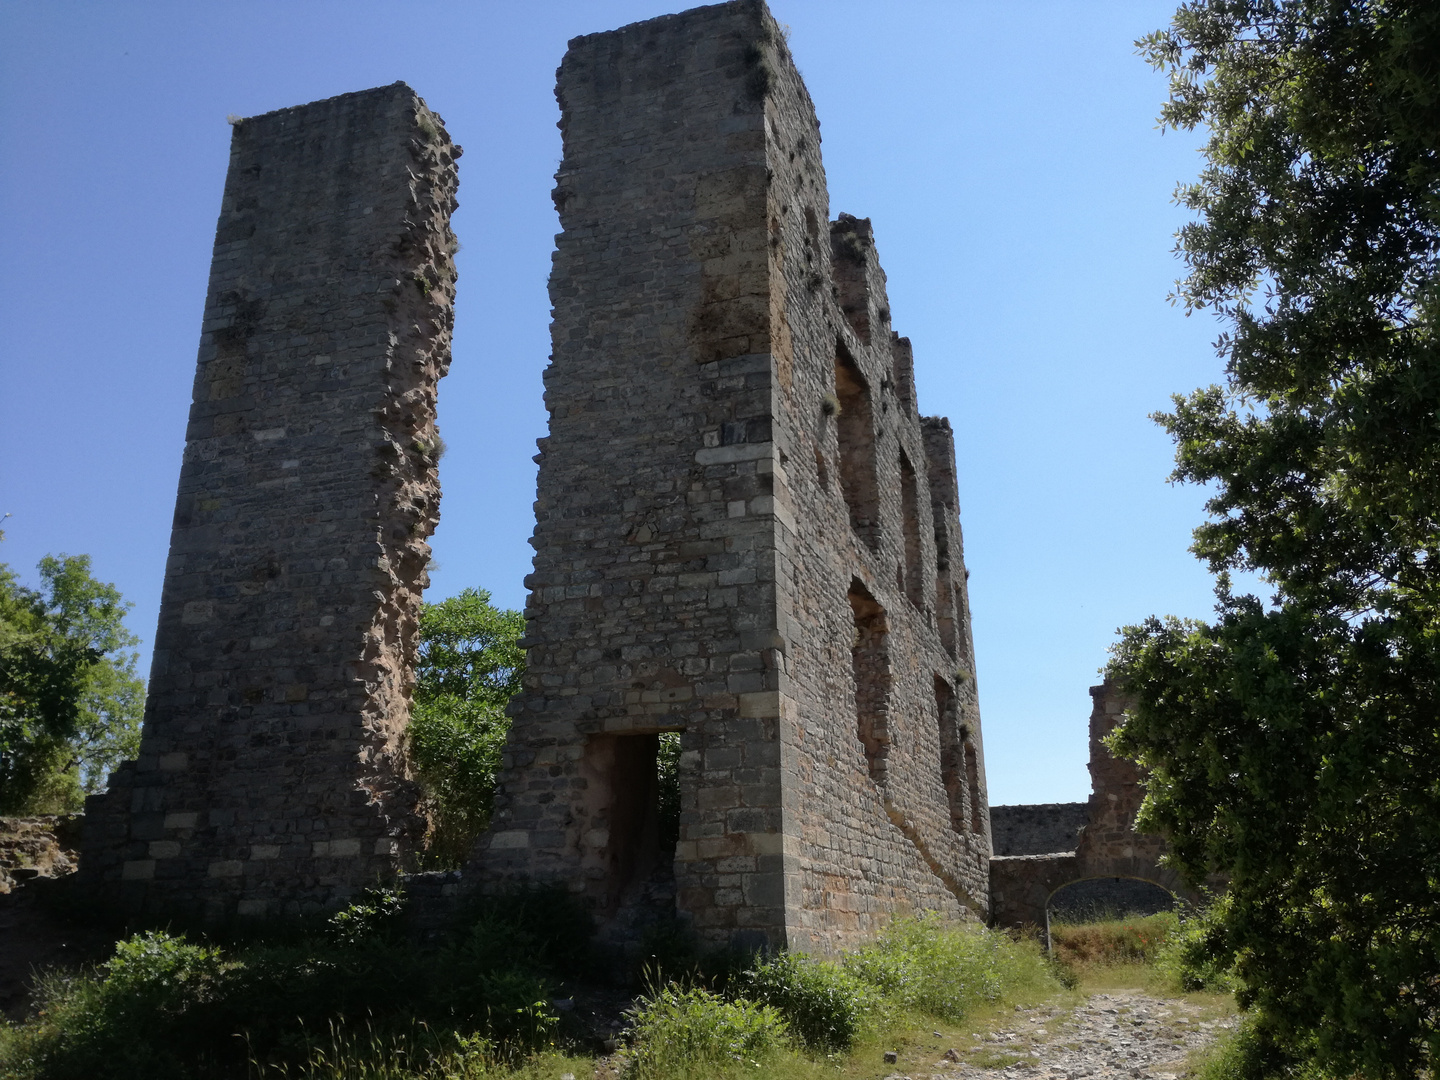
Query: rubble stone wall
270	777
1037	828
1022	884
745	531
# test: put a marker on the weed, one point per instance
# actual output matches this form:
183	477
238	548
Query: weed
925	965
691	1032
1195	957
374	917
824	1005
1117	941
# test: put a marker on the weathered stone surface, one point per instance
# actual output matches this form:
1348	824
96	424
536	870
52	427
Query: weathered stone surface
1037	828
745	530
1021	885
269	778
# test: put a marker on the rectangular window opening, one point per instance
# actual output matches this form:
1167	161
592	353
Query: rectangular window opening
856	430
952	767
910	519
870	663
972	781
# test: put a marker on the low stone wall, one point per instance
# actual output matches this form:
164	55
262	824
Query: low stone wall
1022	883
32	847
1037	828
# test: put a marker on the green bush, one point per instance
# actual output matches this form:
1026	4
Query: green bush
682	1032
541	928
1250	1053
823	1005
164	1007
944	970
376	916
1195	955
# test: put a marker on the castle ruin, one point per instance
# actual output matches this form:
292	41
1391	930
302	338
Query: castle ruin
270	778
747	536
745	531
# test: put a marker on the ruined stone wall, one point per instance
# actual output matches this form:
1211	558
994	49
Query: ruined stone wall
744	531
269	778
1037	828
1022	884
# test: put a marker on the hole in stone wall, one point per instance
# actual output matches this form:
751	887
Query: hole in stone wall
856	431
1096	899
952	769
972	784
822	471
633	797
870	664
667	793
910	523
945	611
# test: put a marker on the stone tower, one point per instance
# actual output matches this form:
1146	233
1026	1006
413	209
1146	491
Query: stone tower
746	533
268	779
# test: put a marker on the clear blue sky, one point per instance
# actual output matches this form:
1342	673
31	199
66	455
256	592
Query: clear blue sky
1006	152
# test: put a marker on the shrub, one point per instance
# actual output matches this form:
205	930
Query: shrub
374	917
539	928
1251	1053
689	1032
1196	956
142	1014
164	1007
944	970
823	1005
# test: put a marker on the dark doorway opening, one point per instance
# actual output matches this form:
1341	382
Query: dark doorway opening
633	798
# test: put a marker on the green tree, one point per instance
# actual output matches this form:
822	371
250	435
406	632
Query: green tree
70	701
1293	743
470	666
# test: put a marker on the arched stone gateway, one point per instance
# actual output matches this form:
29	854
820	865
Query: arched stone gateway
1106	845
1090	899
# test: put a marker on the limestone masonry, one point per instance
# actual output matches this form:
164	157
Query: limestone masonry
747	538
745	531
269	779
1026	878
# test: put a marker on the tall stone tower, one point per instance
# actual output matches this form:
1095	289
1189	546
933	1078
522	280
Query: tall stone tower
268	779
746	533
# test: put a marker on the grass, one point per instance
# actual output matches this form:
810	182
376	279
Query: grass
358	1002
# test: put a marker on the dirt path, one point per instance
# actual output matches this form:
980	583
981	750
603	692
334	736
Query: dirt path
1122	1034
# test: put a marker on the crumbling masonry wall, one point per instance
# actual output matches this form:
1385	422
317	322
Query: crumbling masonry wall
745	531
1106	846
269	778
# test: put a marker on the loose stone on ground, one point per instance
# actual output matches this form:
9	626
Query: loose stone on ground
1123	1034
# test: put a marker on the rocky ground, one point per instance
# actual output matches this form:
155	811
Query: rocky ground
1122	1034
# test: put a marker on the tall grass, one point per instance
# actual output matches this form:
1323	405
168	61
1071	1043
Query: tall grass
921	968
1135	940
361	1003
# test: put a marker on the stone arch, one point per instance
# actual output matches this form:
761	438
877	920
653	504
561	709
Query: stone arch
1021	886
1089	897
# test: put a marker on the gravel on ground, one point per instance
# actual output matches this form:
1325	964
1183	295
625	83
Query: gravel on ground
1122	1035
